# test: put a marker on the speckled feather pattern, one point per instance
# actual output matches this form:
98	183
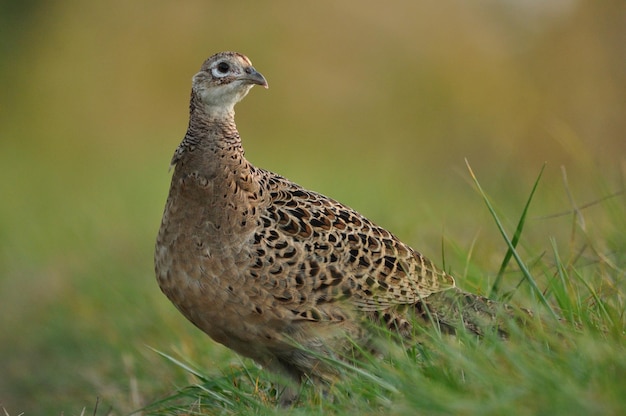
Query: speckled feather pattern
260	263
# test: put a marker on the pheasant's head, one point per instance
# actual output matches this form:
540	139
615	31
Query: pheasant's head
224	79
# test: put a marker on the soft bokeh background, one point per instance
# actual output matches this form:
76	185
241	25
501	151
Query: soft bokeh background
376	104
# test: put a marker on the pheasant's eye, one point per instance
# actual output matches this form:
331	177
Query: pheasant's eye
223	67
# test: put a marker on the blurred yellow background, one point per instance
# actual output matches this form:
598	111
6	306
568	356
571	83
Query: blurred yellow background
375	104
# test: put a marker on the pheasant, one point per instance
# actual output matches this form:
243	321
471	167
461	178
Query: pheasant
279	273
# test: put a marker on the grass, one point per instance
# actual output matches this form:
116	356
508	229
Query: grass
568	372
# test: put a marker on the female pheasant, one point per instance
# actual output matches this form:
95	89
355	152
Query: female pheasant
276	272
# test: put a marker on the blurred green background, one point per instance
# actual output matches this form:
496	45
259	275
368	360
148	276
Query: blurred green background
375	104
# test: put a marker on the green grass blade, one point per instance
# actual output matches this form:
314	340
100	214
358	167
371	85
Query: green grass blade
597	299
516	237
560	286
181	365
525	272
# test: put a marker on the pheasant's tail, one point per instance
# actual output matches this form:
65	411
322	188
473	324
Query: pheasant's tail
454	309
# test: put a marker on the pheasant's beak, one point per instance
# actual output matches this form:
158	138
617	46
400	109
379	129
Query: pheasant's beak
253	77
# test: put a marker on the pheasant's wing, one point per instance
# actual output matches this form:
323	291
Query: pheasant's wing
312	250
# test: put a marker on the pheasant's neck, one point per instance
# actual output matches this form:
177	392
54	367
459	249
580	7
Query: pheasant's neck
210	129
211	157
217	134
210	139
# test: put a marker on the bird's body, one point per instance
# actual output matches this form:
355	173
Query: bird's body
263	265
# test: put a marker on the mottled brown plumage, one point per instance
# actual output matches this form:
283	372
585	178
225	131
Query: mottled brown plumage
262	265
